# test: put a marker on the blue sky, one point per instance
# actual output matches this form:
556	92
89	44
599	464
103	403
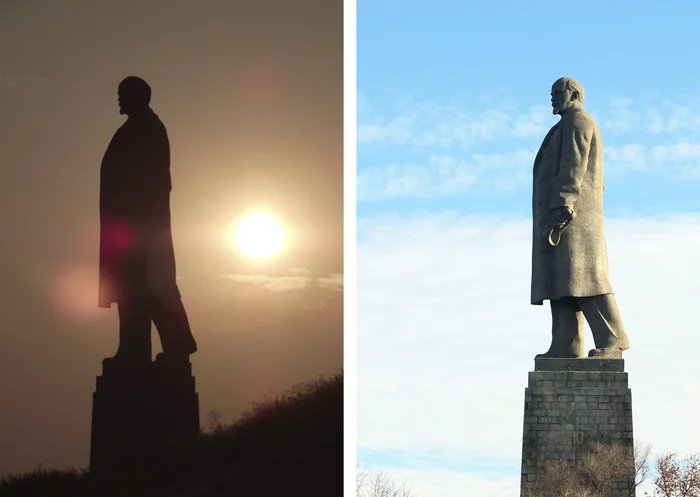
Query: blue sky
453	103
423	66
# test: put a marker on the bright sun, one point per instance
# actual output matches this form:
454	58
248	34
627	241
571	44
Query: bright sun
259	236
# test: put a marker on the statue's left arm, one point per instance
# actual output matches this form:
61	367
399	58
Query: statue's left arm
576	146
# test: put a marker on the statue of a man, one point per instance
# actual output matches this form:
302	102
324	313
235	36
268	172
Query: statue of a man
137	259
569	254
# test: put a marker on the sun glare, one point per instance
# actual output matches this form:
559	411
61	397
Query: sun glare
259	236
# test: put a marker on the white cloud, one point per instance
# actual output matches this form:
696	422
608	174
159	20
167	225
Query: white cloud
434	124
446	175
334	281
300	280
678	153
446	335
679	161
438	125
271	283
397	130
536	122
649	136
650	115
673	118
626	157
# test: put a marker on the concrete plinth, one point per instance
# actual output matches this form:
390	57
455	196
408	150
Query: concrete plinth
570	405
139	414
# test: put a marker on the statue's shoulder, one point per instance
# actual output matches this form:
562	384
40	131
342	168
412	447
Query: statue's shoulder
154	120
154	127
160	126
124	128
580	119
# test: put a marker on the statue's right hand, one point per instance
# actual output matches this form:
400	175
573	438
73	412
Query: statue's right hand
561	218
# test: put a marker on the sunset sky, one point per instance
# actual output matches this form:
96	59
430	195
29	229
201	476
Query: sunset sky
453	104
251	93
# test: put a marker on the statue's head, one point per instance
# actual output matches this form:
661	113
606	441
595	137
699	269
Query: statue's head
134	95
567	94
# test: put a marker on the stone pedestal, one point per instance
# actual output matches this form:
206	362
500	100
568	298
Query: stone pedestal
139	414
570	405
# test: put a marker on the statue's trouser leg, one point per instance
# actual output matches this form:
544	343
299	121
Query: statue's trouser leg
603	317
173	326
134	331
567	329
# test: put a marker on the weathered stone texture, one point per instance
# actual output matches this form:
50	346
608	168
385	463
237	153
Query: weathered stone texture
567	412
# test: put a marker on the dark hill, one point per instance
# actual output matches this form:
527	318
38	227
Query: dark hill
290	446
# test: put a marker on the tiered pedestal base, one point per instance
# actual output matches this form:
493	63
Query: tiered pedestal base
570	405
139	414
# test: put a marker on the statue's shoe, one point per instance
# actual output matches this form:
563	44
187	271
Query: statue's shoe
111	361
123	364
123	360
172	358
614	352
552	355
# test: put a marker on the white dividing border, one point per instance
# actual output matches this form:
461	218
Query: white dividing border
350	244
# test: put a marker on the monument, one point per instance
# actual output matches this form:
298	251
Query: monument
140	408
572	402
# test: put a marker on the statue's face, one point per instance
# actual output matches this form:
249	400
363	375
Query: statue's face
130	98
561	98
123	100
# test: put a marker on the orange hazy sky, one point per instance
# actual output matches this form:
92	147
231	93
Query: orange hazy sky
251	93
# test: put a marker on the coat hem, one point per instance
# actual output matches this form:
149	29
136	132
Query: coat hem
541	301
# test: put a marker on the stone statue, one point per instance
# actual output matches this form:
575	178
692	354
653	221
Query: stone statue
569	254
137	259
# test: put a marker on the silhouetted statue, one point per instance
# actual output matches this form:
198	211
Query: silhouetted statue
137	259
569	254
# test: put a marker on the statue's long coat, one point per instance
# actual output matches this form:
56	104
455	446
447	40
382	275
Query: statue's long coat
568	171
136	247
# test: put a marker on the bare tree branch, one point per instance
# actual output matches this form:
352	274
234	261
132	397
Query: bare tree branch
377	484
597	475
